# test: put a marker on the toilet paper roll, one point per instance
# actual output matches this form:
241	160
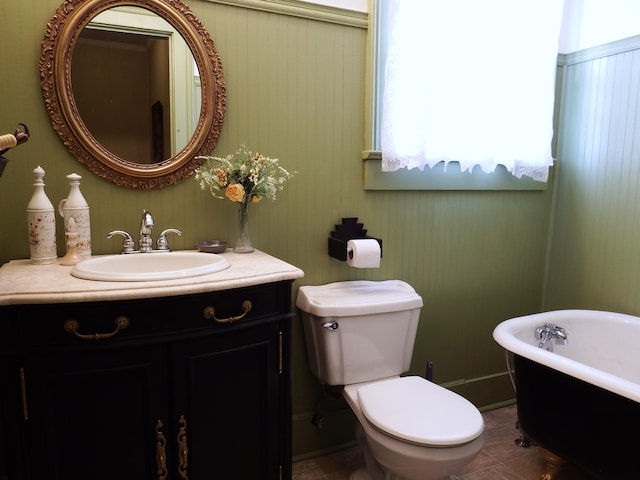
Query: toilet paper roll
363	253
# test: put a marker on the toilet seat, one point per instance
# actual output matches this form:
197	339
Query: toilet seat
421	412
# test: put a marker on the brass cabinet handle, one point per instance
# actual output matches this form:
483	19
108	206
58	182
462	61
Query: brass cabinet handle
183	449
210	313
72	326
161	452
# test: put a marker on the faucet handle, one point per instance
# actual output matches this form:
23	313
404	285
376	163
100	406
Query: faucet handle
162	243
128	246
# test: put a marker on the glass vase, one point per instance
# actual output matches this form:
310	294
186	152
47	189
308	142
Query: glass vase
243	243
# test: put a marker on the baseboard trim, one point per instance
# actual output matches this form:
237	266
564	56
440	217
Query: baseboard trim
325	451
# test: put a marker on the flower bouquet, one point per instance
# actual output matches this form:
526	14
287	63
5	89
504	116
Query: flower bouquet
243	177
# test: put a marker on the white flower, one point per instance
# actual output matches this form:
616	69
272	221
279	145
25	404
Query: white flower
260	176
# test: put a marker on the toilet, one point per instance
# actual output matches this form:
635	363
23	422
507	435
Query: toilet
360	335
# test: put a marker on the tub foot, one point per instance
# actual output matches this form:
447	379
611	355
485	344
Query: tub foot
523	441
553	465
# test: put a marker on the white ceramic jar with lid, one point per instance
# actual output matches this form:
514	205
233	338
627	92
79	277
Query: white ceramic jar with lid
41	218
75	206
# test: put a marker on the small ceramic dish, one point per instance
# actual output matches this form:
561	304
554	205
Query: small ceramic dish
212	246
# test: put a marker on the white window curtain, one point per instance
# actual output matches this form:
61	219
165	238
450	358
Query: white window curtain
470	81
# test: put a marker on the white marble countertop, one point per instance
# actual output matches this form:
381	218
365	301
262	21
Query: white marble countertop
24	283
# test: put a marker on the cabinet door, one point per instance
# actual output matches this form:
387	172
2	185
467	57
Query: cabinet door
94	415
227	389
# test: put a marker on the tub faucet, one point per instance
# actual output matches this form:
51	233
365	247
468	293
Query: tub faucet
146	225
550	332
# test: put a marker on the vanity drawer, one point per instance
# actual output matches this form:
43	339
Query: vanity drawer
74	325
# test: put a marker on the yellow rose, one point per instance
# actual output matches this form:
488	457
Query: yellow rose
235	192
255	198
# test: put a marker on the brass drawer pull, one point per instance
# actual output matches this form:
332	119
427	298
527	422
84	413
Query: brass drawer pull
210	313
183	449
161	455
72	326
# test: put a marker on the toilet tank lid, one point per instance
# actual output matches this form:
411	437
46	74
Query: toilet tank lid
357	297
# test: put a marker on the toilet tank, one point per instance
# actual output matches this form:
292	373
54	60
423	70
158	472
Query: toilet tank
358	331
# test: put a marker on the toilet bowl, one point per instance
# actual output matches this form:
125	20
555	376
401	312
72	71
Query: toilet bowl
360	334
415	429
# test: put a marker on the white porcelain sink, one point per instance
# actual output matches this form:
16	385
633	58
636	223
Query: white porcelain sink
141	267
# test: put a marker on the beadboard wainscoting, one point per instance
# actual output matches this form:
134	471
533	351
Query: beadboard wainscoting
595	252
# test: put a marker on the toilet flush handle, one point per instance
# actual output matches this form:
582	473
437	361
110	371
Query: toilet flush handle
331	325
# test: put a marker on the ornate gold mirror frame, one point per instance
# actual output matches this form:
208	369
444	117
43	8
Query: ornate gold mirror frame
55	80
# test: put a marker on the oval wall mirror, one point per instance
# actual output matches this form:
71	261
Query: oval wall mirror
134	88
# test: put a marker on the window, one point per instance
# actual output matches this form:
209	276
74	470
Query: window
466	82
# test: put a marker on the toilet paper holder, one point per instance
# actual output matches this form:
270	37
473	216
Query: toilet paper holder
349	229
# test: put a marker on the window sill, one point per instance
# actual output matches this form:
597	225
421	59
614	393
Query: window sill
437	179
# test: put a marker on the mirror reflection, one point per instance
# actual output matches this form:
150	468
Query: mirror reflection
136	85
134	88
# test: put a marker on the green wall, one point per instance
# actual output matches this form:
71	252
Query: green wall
595	257
296	90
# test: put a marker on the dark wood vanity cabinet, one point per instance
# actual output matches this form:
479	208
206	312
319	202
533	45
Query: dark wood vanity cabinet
170	395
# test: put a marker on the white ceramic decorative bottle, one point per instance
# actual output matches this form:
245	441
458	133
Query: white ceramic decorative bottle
41	218
75	206
73	256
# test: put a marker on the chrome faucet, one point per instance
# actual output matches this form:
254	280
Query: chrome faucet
146	241
146	225
128	246
161	244
550	332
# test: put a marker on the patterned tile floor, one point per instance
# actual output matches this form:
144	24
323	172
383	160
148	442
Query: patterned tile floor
500	459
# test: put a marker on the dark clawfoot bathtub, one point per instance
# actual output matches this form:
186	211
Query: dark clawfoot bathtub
581	400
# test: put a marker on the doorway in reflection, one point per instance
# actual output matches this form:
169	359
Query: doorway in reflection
121	86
